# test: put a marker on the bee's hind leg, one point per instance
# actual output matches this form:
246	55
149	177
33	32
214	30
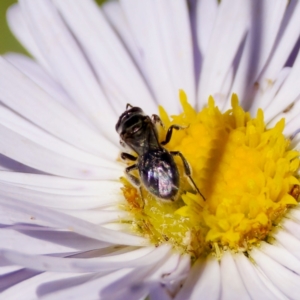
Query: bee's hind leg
187	171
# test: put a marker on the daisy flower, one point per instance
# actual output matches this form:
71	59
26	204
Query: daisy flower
72	225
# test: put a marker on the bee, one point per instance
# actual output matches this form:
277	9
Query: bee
158	172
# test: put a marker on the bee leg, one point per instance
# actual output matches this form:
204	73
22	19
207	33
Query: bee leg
170	131
134	180
128	105
187	170
122	143
128	156
156	119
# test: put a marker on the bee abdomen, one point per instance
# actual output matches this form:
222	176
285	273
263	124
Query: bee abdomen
159	174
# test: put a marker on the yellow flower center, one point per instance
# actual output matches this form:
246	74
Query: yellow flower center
246	172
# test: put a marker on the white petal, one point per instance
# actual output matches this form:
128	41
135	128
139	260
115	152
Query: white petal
68	63
164	39
57	184
289	242
37	74
264	278
47	113
282	278
11	216
11	281
265	21
16	240
85	286
17	24
288	37
116	18
232	284
158	292
120	79
136	286
282	256
36	156
254	285
140	281
206	16
292	122
28	130
60	281
137	258
39	285
130	286
46	241
50	188
174	280
176	43
4	270
228	33
294	214
109	196
168	266
292	226
287	94
99	216
203	281
264	97
89	289
192	8
64	221
9	165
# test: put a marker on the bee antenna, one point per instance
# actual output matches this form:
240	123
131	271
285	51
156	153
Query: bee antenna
128	105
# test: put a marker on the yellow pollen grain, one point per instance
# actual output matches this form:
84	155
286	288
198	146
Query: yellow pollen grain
246	172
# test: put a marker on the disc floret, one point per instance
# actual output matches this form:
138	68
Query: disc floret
246	172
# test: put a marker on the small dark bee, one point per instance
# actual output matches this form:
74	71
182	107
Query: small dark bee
156	166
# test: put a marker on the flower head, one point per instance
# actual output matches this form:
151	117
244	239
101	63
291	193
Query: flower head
72	229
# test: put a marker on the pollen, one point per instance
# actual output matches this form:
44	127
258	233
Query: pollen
246	172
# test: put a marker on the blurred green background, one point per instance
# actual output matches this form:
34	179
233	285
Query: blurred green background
7	40
8	43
